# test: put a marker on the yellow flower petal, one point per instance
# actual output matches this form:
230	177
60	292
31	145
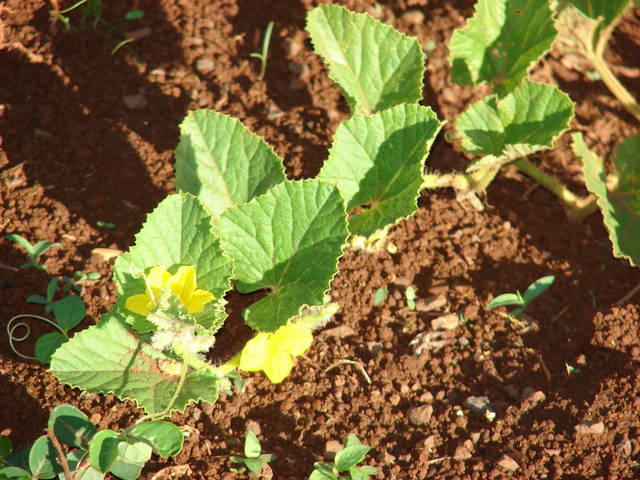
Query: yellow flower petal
292	338
277	365
156	280
140	304
199	298
254	353
183	283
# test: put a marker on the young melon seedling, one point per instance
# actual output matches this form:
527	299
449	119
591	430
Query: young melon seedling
345	465
254	460
534	290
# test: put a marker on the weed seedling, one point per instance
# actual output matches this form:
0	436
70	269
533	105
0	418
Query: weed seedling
534	290
346	462
74	448
253	459
102	224
33	251
410	295
78	281
380	296
47	300
264	53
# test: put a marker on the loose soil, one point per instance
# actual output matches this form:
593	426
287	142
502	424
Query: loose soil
73	153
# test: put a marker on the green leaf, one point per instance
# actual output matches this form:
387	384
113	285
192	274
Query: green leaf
43	459
178	232
47	344
322	475
165	438
505	300
253	464
609	10
104	450
71	426
223	163
20	240
381	295
252	447
134	14
80	471
537	288
14	472
377	162
288	241
501	42
108	358
37	299
5	446
130	460
527	120
350	456
376	66
69	312
620	204
41	247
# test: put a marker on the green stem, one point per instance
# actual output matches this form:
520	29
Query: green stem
167	410
595	52
577	207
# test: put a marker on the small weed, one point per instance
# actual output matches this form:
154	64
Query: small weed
33	251
47	299
102	224
264	53
381	295
346	462
253	459
534	290
410	295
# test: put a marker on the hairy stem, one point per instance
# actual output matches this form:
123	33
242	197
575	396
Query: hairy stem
167	410
61	455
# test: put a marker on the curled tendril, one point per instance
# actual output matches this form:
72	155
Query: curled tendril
11	328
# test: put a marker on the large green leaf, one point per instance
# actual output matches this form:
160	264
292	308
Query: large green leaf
223	163
500	42
620	204
376	66
165	438
526	120
288	241
108	358
178	232
609	10
378	161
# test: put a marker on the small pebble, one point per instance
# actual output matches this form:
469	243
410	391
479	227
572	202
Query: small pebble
413	17
205	65
590	428
508	463
374	347
477	405
419	416
446	322
135	102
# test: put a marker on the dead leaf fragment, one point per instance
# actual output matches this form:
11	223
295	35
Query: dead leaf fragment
173	472
106	253
429	341
341	331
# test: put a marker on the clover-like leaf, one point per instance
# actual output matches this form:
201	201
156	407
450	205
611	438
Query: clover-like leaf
526	120
43	459
287	241
501	42
69	312
376	66
71	426
377	162
619	204
130	459
165	438
108	358
47	344
223	163
178	232
104	449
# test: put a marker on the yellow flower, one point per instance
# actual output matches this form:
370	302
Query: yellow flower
182	284
272	352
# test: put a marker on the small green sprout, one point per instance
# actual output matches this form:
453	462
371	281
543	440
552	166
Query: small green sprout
46	300
381	295
79	280
253	460
102	224
410	294
534	290
264	53
346	460
33	251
